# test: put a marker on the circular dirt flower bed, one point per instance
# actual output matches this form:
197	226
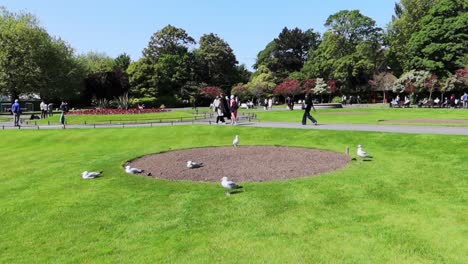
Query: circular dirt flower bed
241	164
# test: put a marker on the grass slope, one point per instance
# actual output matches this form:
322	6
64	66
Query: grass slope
369	115
100	119
408	205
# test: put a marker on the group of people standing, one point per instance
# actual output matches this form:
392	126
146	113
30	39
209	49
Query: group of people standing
226	108
46	109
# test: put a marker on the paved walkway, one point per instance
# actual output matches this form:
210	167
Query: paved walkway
444	130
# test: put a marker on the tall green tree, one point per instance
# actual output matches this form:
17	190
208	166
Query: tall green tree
218	61
168	40
31	61
62	74
292	49
22	43
406	21
97	62
441	46
143	80
349	52
170	63
123	61
288	52
353	26
265	57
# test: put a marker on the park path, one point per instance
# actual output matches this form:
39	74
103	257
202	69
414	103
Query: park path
443	130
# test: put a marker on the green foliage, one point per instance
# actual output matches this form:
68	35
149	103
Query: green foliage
412	81
168	101
336	99
262	82
96	62
31	61
265	57
149	102
442	42
122	61
349	52
406	22
242	91
171	73
168	40
288	52
218	60
143	81
353	26
292	49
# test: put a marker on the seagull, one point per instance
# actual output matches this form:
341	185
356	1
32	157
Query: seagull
230	185
362	153
90	174
235	143
131	170
193	164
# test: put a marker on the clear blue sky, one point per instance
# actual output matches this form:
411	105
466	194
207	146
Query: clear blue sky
117	26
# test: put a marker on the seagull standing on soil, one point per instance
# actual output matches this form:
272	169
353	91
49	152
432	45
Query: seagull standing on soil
193	164
236	141
362	153
90	174
131	170
230	185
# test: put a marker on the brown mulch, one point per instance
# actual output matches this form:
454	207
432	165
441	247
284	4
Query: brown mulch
241	164
427	120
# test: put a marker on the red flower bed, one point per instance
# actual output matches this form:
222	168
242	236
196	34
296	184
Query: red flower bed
108	111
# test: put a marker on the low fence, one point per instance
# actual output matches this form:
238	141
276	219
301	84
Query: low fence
200	118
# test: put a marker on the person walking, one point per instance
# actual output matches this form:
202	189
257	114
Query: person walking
64	109
308	105
270	103
50	109
233	106
16	110
465	100
219	109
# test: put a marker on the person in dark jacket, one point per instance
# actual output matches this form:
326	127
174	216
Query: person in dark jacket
224	100
308	105
16	110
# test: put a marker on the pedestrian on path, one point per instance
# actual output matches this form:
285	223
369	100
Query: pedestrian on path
308	106
219	109
16	110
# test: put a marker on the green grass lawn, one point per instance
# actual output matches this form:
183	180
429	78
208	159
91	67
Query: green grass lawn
148	117
408	205
5	119
371	115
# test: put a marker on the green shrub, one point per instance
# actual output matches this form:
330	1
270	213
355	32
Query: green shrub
336	99
168	101
150	102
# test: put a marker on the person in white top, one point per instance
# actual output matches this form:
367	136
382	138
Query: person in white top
44	109
218	107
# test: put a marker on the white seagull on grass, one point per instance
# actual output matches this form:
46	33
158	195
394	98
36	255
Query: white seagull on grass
362	153
131	170
230	185
90	174
236	141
